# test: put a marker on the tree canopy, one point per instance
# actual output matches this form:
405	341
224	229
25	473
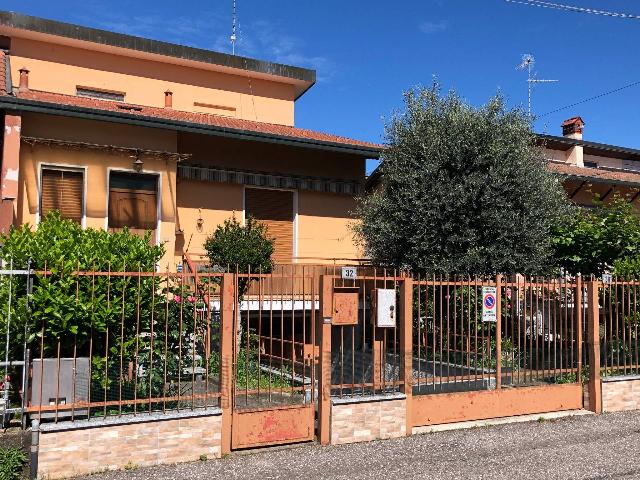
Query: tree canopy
464	190
605	238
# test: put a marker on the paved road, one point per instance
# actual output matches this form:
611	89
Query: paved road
586	447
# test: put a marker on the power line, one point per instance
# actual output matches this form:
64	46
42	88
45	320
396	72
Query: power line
591	98
573	8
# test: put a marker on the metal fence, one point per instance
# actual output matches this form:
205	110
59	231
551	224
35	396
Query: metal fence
539	326
112	343
81	345
619	318
275	354
365	357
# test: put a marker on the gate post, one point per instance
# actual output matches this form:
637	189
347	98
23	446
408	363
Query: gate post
406	347
324	379
593	344
498	332
227	300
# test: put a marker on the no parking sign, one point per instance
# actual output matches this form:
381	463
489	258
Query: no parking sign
489	304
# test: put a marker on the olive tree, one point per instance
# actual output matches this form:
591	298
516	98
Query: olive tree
463	190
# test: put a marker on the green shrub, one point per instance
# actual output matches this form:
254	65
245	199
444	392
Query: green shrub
66	307
245	248
100	316
600	239
12	461
240	248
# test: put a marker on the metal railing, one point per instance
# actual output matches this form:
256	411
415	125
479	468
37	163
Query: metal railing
115	343
619	321
365	358
454	350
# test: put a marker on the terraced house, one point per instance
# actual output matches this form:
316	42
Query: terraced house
114	130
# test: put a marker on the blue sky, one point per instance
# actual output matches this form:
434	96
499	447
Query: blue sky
367	53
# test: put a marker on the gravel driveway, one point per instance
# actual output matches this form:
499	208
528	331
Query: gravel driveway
606	446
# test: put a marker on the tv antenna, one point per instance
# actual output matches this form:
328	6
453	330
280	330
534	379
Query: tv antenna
527	64
233	29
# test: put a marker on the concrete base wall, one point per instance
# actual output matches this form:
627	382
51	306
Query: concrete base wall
620	394
77	448
366	419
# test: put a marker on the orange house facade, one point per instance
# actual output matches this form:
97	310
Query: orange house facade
118	131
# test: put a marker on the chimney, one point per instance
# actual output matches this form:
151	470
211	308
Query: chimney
572	128
24	80
168	99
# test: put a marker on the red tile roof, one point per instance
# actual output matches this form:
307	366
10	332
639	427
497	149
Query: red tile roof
595	174
203	119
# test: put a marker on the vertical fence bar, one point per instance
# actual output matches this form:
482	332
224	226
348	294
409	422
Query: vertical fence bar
324	338
406	350
593	344
577	307
227	327
498	332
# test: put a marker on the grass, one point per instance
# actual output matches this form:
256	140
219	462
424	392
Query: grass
12	461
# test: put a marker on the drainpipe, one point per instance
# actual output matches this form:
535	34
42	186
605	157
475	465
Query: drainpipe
35	446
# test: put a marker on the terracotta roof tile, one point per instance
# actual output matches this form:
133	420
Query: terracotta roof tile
198	118
596	174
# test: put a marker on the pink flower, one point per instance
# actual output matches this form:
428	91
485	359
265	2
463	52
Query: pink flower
177	298
191	299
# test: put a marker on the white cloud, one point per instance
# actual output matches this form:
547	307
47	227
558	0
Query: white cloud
196	32
265	40
258	39
433	27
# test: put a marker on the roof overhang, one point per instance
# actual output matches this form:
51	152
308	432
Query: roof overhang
34	28
590	148
25	105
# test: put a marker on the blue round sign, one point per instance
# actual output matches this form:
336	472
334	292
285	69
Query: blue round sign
489	301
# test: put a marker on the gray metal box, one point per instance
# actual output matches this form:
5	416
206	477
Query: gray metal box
69	385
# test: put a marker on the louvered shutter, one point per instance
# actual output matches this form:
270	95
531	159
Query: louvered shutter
274	209
62	190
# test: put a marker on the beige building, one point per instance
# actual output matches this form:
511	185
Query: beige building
114	130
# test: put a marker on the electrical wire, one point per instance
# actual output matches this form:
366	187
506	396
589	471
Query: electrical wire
573	8
591	99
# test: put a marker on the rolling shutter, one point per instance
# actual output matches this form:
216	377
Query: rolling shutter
274	209
62	190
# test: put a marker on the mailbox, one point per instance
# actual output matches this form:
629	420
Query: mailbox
386	312
345	306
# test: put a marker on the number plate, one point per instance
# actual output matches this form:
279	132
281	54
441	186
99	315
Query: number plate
349	273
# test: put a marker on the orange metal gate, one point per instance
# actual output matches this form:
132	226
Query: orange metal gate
273	368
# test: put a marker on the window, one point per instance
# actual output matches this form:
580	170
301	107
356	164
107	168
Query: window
62	190
273	208
99	93
133	201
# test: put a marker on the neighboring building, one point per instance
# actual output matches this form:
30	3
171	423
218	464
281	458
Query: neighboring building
587	168
115	130
590	168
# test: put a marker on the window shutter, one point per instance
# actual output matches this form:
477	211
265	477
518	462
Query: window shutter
133	201
62	190
132	209
274	209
